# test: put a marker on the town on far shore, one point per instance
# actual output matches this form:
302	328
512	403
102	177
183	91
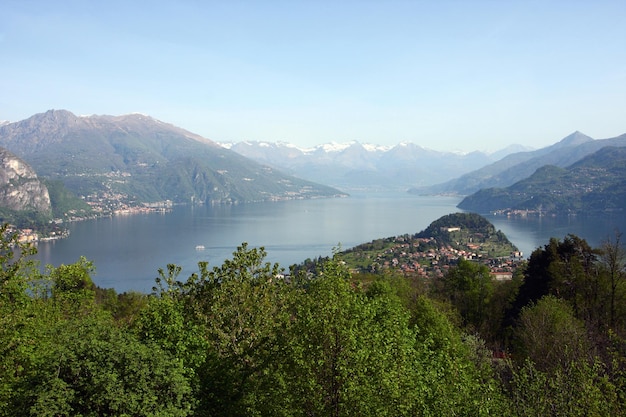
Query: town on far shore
99	207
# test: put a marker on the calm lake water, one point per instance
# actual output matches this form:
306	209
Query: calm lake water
128	250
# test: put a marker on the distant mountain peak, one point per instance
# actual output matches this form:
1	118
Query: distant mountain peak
574	139
55	115
335	146
58	113
517	166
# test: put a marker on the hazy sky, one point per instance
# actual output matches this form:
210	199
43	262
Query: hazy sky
448	75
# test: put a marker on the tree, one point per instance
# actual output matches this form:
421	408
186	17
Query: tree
349	352
550	336
239	310
17	271
579	390
566	269
469	287
360	352
19	288
451	378
125	307
575	278
72	286
164	323
613	261
61	355
85	365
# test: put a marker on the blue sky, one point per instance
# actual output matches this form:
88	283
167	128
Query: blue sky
447	75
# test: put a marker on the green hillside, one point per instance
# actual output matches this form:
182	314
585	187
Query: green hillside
597	183
443	242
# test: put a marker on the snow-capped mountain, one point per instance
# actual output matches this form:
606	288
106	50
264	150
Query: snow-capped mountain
354	166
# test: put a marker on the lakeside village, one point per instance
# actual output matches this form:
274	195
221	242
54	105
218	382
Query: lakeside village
101	206
428	257
110	203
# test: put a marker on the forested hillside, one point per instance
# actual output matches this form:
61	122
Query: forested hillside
596	183
245	339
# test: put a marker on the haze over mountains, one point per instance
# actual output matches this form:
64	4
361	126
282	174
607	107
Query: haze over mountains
521	165
355	166
537	180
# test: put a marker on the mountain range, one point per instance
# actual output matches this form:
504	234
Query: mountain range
595	183
520	165
536	179
137	159
355	166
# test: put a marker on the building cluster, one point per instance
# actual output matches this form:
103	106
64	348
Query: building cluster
425	257
31	236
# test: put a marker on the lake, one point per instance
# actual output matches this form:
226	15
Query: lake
128	250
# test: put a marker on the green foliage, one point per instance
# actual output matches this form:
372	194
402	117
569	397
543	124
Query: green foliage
565	332
87	366
125	308
479	300
18	271
64	202
73	278
72	286
356	352
60	354
550	336
613	268
224	324
567	269
25	219
349	353
469	287
579	389
472	221
18	279
163	323
453	381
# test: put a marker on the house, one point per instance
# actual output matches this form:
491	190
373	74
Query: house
502	275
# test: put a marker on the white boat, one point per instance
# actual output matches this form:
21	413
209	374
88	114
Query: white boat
199	247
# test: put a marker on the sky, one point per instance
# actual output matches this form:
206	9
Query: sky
446	75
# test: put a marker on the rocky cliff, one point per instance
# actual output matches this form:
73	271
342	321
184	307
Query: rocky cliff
20	189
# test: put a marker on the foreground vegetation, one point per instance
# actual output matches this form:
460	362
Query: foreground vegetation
244	339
